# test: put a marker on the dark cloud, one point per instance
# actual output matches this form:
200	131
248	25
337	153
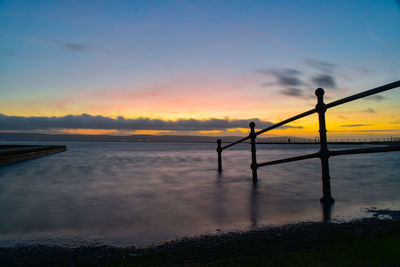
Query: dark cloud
74	46
320	65
355	125
288	77
324	80
86	121
296	83
365	131
375	98
284	77
292	92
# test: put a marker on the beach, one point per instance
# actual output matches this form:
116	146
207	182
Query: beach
366	242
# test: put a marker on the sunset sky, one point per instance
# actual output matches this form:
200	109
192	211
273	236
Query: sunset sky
197	67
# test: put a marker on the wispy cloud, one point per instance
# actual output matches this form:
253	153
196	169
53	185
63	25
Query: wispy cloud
284	77
296	83
375	37
86	121
324	80
72	46
367	131
376	98
292	92
369	110
320	65
289	79
355	125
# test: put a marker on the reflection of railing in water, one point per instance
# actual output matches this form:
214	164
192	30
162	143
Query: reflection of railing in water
324	153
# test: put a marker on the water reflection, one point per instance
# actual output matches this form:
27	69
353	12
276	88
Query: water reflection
327	209
254	205
110	191
220	195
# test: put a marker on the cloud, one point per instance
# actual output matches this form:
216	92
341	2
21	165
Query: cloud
375	37
369	110
324	80
288	77
73	46
66	45
320	65
284	77
366	131
292	92
86	121
376	98
295	83
355	125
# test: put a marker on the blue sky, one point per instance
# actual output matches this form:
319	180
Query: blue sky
91	56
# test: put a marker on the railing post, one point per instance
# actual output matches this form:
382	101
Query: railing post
323	152
219	150
253	165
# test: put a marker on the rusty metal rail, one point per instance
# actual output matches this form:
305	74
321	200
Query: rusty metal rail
324	153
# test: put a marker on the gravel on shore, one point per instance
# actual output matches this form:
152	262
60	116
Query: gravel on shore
354	243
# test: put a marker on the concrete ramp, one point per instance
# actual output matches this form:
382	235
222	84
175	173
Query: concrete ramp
15	153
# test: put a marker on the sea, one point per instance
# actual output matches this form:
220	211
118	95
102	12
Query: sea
145	193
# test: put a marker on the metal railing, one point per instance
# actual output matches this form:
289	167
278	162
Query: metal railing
324	153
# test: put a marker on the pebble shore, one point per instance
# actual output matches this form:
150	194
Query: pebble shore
237	248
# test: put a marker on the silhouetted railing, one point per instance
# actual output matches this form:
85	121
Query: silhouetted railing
323	153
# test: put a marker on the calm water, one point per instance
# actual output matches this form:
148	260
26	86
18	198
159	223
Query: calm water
140	193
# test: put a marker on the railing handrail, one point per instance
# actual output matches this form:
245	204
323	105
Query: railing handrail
331	153
327	106
236	142
370	92
324	153
276	125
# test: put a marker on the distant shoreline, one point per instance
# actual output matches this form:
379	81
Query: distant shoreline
35	137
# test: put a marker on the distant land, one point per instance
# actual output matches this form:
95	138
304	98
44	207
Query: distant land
9	136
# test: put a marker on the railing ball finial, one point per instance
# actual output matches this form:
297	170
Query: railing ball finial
320	100
252	124
319	92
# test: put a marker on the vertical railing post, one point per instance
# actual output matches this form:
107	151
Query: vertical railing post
323	152
219	150
253	165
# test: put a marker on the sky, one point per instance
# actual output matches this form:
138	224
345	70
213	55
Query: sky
197	67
